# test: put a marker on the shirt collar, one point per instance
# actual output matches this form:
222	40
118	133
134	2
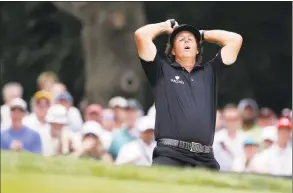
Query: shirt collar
177	65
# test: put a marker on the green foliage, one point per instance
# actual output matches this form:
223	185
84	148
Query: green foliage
35	37
16	164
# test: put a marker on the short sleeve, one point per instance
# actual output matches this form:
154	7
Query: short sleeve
153	69
217	63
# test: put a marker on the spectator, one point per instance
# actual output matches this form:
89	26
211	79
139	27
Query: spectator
93	113
40	105
228	142
277	160
119	105
74	116
141	149
249	112
19	137
60	140
122	136
266	118
108	120
58	88
246	163
219	120
133	111
92	145
10	91
46	80
286	113
268	136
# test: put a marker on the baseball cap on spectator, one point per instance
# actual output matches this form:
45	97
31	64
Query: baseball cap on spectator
64	96
133	104
266	113
248	103
250	141
94	108
145	123
42	95
57	114
284	122
269	133
117	101
18	103
92	127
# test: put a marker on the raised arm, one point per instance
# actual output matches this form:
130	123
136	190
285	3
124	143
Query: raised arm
230	41
145	35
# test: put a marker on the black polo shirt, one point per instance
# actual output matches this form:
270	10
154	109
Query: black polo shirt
186	103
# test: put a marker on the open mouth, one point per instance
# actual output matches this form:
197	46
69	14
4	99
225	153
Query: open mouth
187	47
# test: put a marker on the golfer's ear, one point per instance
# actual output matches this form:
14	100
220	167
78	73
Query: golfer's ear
172	52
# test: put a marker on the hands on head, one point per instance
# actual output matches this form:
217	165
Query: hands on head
171	24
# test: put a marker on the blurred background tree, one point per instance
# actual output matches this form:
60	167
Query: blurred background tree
91	47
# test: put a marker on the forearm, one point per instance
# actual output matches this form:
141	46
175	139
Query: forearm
221	37
151	31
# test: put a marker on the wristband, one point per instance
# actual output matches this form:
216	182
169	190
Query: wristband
202	35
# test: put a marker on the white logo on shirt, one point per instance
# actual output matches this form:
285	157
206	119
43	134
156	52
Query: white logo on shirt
176	80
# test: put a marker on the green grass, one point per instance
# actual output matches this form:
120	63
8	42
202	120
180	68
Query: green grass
25	173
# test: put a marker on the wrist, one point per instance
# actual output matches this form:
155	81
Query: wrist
164	26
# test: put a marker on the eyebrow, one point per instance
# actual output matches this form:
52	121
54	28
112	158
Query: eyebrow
182	36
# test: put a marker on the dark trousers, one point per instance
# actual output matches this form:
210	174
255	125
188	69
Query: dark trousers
167	161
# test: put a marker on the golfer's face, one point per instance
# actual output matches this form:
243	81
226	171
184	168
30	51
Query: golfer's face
185	45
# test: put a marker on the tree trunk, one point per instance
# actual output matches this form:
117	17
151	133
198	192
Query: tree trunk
111	62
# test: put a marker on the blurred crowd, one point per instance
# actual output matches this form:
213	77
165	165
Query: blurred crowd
247	138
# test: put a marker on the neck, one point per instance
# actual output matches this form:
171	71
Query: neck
187	63
282	144
41	119
231	133
16	125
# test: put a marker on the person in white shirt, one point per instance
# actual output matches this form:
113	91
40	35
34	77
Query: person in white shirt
10	91
246	163
93	113
277	160
228	142
92	144
59	140
41	102
268	137
75	121
139	152
119	104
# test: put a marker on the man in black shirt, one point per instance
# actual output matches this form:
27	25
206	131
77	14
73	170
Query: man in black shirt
185	90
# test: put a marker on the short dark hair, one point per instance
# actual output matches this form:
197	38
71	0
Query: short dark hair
171	57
